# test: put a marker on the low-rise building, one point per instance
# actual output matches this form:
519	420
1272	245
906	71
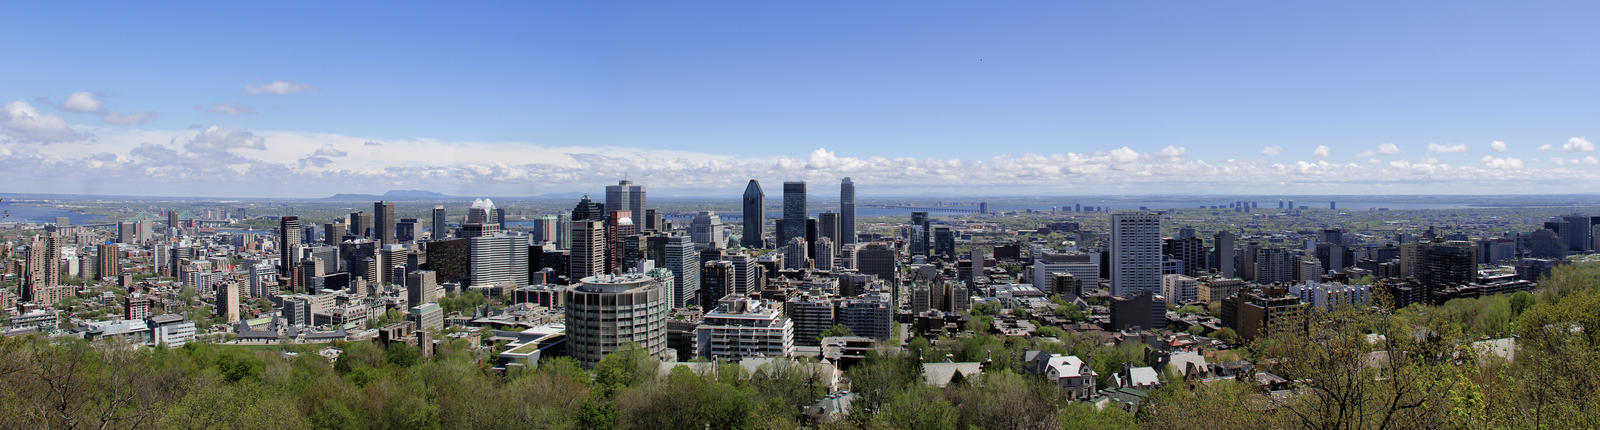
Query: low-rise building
1068	372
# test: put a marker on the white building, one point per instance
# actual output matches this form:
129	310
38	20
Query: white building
1083	267
501	259
1180	288
171	330
1068	372
706	230
741	327
1328	295
825	252
1135	253
794	254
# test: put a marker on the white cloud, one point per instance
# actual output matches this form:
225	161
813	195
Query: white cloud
1502	163
1546	147
1320	152
81	102
1388	149
224	161
1171	151
1272	150
1445	149
230	109
1367	154
22	121
1497	146
1578	144
1124	155
1590	160
329	151
134	118
280	88
821	159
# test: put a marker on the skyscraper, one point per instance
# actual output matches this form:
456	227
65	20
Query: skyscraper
1222	251
587	210
706	230
588	249
754	215
438	223
481	211
406	230
108	261
563	231
288	238
794	211
1135	253
1576	232
173	229
361	224
684	262
829	225
920	235
334	232
383	222
625	196
847	212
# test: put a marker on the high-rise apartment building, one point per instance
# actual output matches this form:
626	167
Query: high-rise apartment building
741	327
1135	253
109	261
605	312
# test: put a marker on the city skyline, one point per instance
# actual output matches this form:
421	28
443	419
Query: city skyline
1028	100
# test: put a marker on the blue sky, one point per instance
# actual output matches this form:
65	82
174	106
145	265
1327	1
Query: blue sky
576	94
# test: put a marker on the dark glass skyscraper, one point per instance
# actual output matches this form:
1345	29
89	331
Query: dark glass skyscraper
847	211
587	210
438	222
794	211
754	214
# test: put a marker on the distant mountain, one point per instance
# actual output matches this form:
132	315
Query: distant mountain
394	195
566	195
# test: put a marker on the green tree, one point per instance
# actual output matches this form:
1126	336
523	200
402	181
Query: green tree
919	407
